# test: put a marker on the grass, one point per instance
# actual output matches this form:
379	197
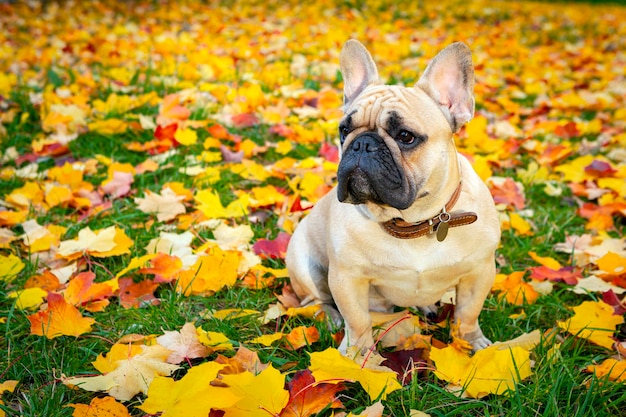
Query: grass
558	387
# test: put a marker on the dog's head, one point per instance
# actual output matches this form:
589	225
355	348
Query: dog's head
396	142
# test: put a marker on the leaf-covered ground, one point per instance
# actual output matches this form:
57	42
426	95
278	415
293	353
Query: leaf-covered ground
155	158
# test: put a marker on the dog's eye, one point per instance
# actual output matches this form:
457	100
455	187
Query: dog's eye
405	137
343	132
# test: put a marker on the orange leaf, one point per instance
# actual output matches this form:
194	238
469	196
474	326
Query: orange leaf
302	336
100	407
82	290
307	398
514	289
508	192
60	319
137	294
164	267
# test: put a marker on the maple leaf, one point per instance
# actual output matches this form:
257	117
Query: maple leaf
118	185
613	369
210	273
244	360
493	370
100	243
514	289
83	291
274	249
507	191
118	352
209	203
186	137
191	396
131	376
302	336
164	267
594	321
10	266
166	205
260	394
100	407
330	366
306	397
28	297
59	319
137	294
184	344
213	341
406	363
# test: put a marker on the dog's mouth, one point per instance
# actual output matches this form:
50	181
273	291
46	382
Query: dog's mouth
356	189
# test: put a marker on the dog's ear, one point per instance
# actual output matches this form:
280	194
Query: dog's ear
449	80
357	68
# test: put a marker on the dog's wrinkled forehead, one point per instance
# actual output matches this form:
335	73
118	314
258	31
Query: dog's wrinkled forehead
375	105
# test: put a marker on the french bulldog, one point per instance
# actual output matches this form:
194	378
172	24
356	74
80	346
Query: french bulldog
409	217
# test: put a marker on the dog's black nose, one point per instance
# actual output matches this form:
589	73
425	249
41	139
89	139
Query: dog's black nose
366	142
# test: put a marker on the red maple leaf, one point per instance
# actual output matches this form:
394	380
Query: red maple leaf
275	249
306	397
137	294
567	274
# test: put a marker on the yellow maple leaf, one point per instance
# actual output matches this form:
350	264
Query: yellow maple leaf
191	396
210	273
131	376
612	264
59	319
594	321
332	367
137	263
186	137
10	266
494	370
99	407
615	369
100	243
545	261
209	203
260	395
28	297
215	341
118	352
108	126
268	339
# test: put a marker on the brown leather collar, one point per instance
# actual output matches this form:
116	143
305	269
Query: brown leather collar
438	224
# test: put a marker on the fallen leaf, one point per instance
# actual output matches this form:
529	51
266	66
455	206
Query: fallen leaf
166	205
59	319
100	407
10	266
210	273
100	243
274	249
594	321
332	367
301	336
613	369
260	394
184	344
307	398
191	396
490	371
514	289
28	297
132	376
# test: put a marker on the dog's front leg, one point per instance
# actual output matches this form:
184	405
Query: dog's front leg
471	293
351	295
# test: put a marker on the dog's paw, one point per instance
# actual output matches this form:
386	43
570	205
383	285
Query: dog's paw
478	340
